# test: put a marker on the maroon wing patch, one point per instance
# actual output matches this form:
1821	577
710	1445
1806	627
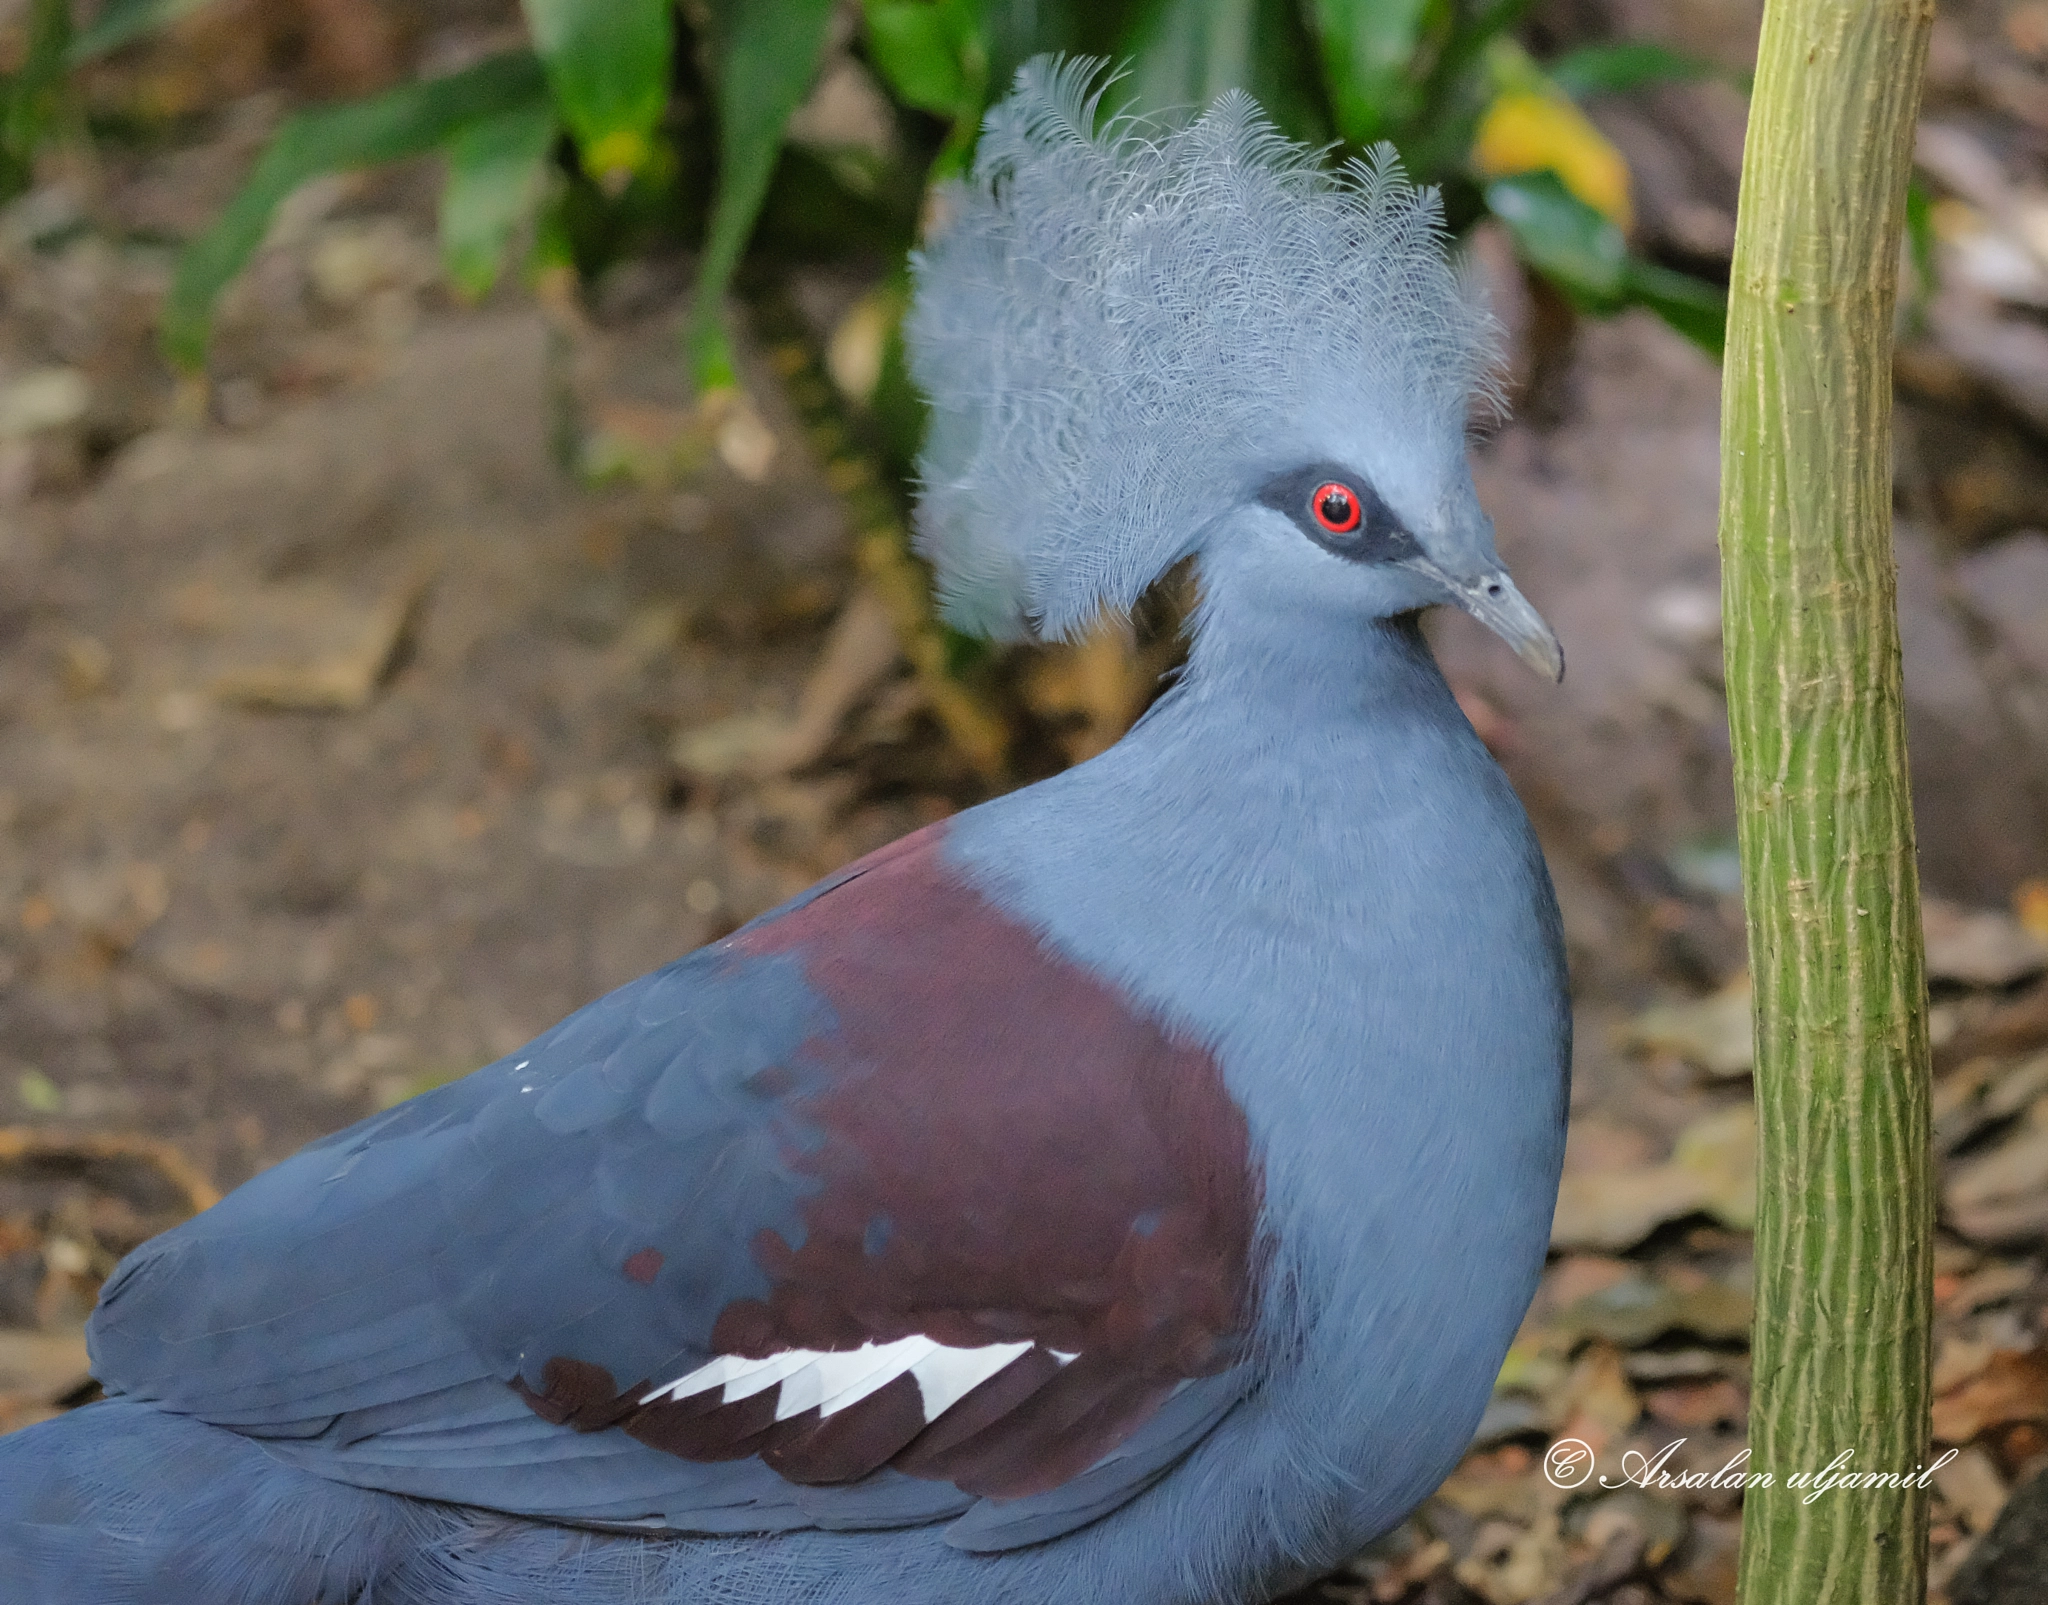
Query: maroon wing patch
1033	1219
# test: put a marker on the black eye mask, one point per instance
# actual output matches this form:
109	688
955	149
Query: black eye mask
1341	513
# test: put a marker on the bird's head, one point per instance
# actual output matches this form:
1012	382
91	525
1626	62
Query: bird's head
1144	344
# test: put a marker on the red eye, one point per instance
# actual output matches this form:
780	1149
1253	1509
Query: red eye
1336	507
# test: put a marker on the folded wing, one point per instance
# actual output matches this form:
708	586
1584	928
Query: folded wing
878	1212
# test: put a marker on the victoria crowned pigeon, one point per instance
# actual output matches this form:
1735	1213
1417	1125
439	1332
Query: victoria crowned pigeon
1122	1191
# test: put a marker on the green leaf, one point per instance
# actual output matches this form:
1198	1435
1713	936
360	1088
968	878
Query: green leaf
934	54
1184	53
495	171
930	53
764	58
1017	32
1617	68
1563	238
38	1093
122	21
1368	52
827	204
1456	91
407	121
1920	238
608	63
1696	309
1583	254
32	96
554	244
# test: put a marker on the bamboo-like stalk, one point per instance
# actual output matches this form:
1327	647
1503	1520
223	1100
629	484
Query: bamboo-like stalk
1816	716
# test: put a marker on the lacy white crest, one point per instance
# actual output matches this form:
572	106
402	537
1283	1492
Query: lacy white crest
1122	330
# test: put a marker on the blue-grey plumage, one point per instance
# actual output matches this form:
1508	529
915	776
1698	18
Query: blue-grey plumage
1126	1191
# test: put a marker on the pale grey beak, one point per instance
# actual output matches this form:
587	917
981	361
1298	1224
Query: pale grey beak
1494	601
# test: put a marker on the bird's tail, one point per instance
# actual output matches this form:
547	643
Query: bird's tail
121	1504
124	1504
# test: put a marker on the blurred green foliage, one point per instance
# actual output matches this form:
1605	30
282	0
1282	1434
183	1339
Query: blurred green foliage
627	120
32	102
457	114
122	22
763	60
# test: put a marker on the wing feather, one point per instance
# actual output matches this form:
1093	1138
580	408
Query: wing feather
876	1213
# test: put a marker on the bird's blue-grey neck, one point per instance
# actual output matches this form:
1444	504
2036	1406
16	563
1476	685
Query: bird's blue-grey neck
1300	664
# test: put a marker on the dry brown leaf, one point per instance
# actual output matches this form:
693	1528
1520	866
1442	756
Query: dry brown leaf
18	1410
1596	1142
1501	1482
23	1143
1721	1149
643	443
1712	1033
1597	1404
306	645
1982	947
1973	947
41	1365
1705	1567
2014	1088
1094	687
1958	1106
112	905
88	667
49	398
745	443
1957	1359
1639	1310
1657	1523
860	343
1578	1276
1621	1554
1692	1405
2008	356
2012	1387
1992	1284
351	261
1511	1564
2030	906
351	47
1973	1488
1685	1367
859	653
1712	1169
2002	1194
1618	1208
1997	1028
1393	1565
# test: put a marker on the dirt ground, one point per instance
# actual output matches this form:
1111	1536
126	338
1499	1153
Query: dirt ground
347	739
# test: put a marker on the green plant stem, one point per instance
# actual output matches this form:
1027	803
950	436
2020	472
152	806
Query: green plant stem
1816	718
881	542
764	57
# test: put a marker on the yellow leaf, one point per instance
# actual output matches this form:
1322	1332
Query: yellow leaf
1094	687
2030	903
1533	131
617	156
